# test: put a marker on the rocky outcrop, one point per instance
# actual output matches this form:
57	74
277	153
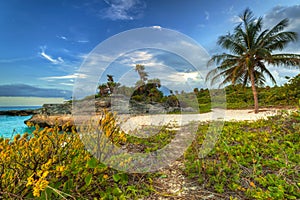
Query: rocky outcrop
56	109
19	112
59	114
52	114
50	121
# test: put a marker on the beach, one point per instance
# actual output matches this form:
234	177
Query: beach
128	122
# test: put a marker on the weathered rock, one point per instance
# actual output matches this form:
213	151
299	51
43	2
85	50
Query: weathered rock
102	103
50	121
19	112
56	109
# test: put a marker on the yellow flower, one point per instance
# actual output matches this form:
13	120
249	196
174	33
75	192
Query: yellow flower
47	165
36	192
252	184
60	168
39	186
105	176
45	174
30	180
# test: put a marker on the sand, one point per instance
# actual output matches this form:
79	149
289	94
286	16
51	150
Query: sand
138	122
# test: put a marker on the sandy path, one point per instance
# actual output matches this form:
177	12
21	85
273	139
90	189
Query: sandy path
137	122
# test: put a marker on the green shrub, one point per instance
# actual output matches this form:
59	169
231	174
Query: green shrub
53	164
257	160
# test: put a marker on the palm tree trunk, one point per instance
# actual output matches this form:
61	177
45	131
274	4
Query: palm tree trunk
254	91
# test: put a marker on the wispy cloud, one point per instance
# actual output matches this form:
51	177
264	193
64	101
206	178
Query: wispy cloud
139	57
62	37
83	41
12	60
69	39
156	27
58	60
235	19
206	15
124	9
229	11
71	76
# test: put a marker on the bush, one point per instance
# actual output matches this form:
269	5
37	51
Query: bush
53	164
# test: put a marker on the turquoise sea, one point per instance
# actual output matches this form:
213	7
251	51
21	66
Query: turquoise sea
12	125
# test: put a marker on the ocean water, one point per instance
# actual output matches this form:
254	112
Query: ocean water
12	125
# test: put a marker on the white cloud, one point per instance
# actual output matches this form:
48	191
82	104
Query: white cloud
235	19
59	60
123	9
228	10
62	37
138	57
67	84
83	41
185	76
206	15
156	27
71	76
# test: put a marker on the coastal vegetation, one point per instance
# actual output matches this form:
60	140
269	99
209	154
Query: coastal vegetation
238	96
251	160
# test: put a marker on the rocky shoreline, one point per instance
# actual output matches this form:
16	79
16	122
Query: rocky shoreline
52	114
19	112
59	114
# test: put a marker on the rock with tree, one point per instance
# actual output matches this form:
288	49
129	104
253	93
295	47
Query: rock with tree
250	50
146	92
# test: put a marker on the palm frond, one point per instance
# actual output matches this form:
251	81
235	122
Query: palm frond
278	27
280	40
285	60
264	69
231	43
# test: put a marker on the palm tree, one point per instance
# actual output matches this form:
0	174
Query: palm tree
250	52
141	71
111	84
103	90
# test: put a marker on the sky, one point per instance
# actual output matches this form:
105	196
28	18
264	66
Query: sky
46	44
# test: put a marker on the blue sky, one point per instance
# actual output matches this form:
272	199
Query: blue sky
43	43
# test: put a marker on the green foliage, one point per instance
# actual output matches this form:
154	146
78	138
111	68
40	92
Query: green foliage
238	97
160	137
148	93
254	160
257	160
